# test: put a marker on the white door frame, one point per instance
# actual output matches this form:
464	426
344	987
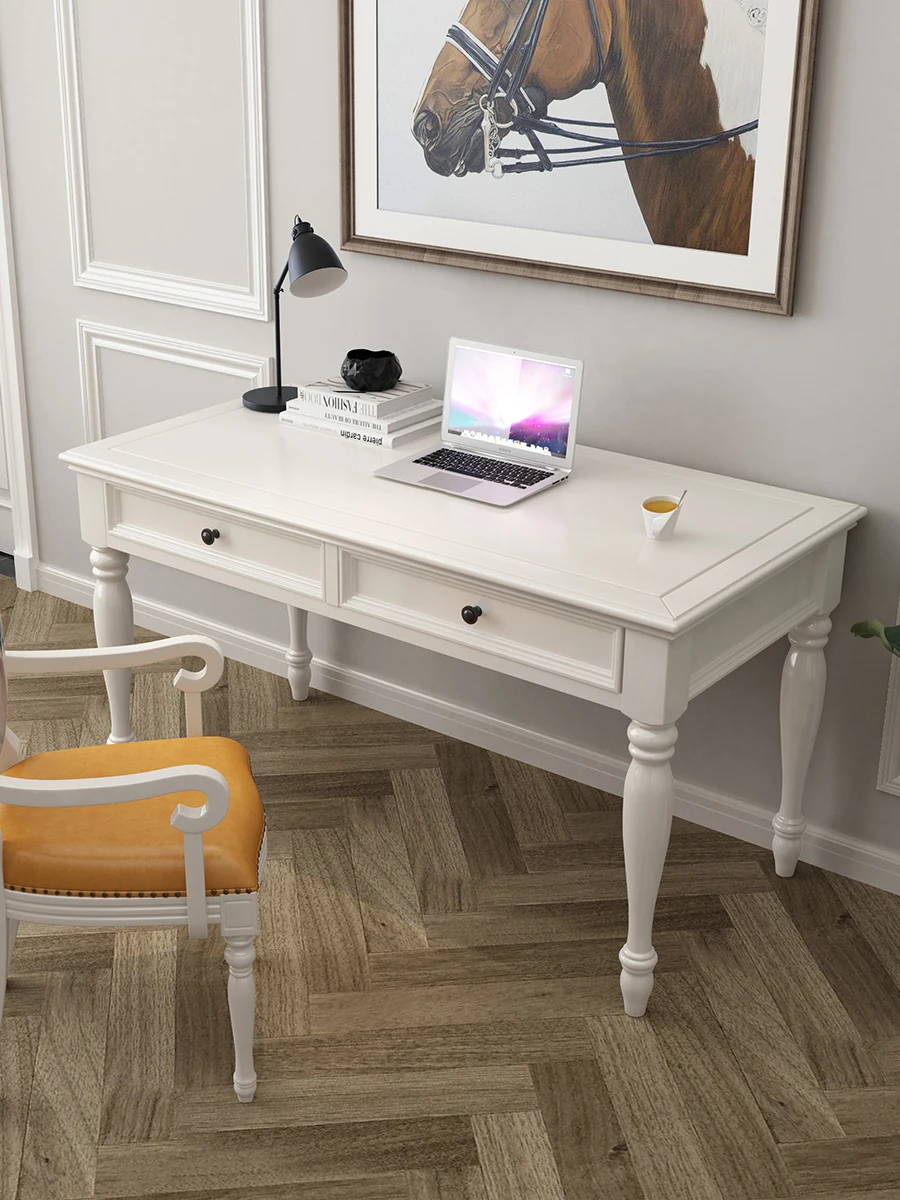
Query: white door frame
13	412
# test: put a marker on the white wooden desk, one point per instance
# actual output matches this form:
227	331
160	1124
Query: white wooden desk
574	596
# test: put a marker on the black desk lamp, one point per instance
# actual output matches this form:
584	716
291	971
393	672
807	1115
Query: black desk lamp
315	270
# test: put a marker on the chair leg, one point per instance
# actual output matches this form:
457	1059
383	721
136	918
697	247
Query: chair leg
11	928
8	930
239	954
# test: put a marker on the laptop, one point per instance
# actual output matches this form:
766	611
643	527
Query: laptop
508	426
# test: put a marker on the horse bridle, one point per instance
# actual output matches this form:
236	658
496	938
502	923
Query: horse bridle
505	77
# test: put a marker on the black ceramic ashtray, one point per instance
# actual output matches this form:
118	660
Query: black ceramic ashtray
371	370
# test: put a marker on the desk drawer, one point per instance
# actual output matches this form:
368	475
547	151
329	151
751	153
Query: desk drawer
521	628
243	549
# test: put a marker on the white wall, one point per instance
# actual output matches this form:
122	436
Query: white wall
808	403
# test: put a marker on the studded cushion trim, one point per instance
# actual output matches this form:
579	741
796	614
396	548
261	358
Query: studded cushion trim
33	891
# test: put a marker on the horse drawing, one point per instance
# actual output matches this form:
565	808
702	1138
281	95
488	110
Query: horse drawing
680	76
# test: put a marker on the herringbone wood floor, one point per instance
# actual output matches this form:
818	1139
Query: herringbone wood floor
439	1013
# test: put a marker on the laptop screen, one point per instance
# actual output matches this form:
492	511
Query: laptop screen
511	400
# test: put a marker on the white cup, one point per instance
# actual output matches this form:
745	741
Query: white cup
660	526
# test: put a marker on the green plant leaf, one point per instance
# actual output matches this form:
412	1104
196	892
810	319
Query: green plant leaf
868	629
889	638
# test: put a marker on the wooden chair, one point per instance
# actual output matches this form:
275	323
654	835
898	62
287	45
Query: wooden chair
140	833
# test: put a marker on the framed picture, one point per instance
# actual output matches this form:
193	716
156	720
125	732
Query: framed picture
651	146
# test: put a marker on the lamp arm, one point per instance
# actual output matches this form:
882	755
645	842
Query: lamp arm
281	278
278	288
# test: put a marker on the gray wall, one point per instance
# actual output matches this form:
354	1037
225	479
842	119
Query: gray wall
808	403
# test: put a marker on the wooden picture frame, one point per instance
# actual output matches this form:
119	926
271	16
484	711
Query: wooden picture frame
777	299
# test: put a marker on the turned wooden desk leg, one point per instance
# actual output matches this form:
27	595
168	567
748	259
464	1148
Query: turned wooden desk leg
114	626
646	824
299	655
802	697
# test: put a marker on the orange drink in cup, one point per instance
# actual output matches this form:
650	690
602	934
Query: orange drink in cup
661	516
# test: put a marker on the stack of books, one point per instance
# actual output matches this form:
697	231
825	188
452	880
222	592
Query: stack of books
406	413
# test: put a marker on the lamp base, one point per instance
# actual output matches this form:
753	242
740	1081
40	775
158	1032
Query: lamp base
269	399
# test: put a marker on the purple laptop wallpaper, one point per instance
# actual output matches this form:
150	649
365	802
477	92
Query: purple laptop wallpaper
511	401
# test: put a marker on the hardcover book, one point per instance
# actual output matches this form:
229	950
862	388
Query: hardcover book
431	409
335	395
354	435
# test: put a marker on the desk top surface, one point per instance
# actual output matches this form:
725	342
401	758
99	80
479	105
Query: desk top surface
583	542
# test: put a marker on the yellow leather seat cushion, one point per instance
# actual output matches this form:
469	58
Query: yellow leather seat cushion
131	848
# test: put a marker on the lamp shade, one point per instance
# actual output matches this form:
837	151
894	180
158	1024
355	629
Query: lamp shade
313	267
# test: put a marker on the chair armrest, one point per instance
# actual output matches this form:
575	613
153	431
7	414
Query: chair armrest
108	658
120	789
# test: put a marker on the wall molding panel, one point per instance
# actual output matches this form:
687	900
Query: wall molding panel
252	301
93	338
889	766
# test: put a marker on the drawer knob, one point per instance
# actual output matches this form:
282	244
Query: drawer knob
471	613
208	536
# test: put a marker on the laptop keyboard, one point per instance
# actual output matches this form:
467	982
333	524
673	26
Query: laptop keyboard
479	466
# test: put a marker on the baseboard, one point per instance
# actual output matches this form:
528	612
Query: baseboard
24	563
837	852
713	810
26	572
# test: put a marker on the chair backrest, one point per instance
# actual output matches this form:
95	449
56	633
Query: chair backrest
10	746
2	691
10	754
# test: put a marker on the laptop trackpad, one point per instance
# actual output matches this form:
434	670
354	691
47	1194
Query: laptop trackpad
450	483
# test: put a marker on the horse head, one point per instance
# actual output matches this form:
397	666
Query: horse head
447	120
